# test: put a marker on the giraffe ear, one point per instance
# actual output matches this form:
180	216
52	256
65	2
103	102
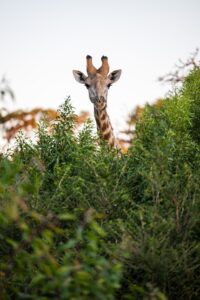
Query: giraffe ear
79	76
115	75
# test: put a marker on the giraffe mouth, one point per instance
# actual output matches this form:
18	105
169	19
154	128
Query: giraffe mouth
97	99
100	99
100	102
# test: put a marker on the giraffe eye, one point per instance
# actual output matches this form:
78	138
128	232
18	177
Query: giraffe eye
87	85
109	85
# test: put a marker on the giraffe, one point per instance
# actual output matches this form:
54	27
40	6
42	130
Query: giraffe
98	82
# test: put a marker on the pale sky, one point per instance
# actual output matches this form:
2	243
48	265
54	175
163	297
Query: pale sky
42	41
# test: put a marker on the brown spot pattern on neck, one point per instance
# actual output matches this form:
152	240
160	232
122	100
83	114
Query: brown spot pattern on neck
104	126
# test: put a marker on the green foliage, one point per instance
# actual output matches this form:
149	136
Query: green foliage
43	258
81	221
163	178
191	92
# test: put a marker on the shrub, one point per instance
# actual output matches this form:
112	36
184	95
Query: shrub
163	178
42	257
81	221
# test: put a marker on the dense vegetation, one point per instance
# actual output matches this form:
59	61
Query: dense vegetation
81	221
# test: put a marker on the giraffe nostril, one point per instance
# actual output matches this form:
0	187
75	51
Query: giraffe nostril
100	99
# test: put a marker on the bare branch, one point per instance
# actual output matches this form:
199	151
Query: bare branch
5	89
181	69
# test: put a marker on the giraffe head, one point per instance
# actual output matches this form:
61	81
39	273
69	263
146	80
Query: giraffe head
98	81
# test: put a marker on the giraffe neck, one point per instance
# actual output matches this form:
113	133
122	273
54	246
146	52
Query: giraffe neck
104	125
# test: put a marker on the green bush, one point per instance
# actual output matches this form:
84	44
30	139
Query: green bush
163	177
81	221
42	257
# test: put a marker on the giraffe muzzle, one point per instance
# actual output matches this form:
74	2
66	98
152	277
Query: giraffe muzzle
100	103
100	99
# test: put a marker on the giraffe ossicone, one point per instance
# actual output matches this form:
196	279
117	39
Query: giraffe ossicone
98	81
